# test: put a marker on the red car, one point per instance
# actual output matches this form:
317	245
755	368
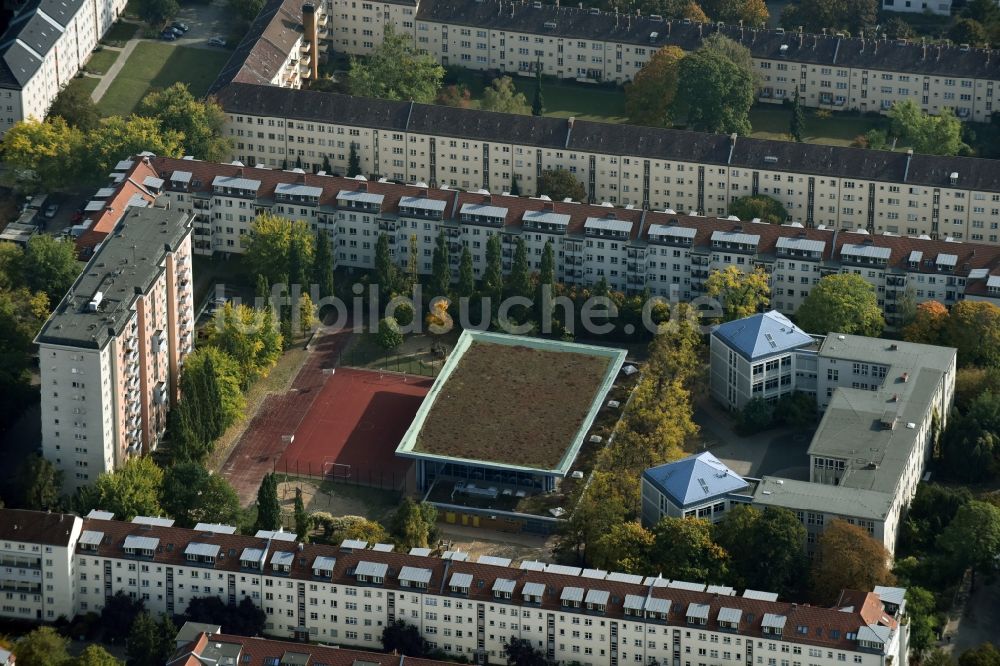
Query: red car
77	216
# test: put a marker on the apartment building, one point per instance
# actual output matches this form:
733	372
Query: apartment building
939	7
43	48
111	352
882	404
669	253
37	563
843	188
830	71
211	646
346	595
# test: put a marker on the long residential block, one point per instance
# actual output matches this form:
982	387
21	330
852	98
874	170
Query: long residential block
830	71
111	352
46	44
669	253
346	595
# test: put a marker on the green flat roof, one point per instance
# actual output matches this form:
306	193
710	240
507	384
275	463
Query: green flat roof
512	402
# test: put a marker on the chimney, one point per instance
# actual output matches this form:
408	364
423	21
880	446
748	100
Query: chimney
570	121
311	36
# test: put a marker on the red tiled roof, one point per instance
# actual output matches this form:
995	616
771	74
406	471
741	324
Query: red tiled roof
822	622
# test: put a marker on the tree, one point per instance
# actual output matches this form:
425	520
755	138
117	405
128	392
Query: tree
625	547
42	155
441	267
717	88
41	483
212	375
413	525
129	491
520	652
560	184
752	13
973	327
117	616
817	15
519	280
401	638
200	122
268	506
928	324
841	303
192	495
898	28
458	96
765	547
243	619
95	655
337	529
970	446
797	126
322	274
984	654
307	314
493	277
353	162
149	643
386	274
920	607
984	11
968	31
396	69
280	247
502	96
847	558
684	547
250	337
742	294
935	135
246	9
650	96
118	138
302	524
466	276
389	336
972	538
157	12
42	647
538	100
75	105
49	265
758	206
937	657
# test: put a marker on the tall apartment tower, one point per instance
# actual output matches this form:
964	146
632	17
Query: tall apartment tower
110	353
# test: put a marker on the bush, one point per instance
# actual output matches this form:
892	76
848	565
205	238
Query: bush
388	336
754	417
404	314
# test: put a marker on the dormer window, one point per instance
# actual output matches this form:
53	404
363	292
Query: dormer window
634	604
597	600
772	624
460	583
698	614
414	577
371	572
140	546
503	588
571	597
89	540
533	593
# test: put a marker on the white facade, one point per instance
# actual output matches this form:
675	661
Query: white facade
37	565
347	596
44	48
939	7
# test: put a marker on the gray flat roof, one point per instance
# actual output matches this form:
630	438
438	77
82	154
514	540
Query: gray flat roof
128	261
821	498
533	589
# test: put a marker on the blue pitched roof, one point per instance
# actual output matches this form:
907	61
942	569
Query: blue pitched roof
695	479
762	335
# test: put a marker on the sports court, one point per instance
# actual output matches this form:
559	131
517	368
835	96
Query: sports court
353	426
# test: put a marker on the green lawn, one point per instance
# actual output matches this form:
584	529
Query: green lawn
771	122
582	101
102	60
87	83
158	65
120	33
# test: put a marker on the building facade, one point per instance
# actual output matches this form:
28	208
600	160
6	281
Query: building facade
346	595
882	405
46	44
111	352
829	71
670	254
37	563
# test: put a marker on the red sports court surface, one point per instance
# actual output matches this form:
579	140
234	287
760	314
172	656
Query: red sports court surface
354	425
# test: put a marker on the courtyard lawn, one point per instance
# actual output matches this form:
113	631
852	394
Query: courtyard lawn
102	60
582	101
87	83
838	130
120	33
158	65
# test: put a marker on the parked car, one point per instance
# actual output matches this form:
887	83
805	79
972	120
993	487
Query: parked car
77	216
168	36
179	26
217	41
51	210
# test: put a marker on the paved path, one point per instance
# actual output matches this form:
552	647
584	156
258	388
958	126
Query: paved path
116	67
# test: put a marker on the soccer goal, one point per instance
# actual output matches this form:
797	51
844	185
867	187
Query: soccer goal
336	470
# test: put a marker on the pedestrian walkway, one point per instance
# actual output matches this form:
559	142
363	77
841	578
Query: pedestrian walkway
116	67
